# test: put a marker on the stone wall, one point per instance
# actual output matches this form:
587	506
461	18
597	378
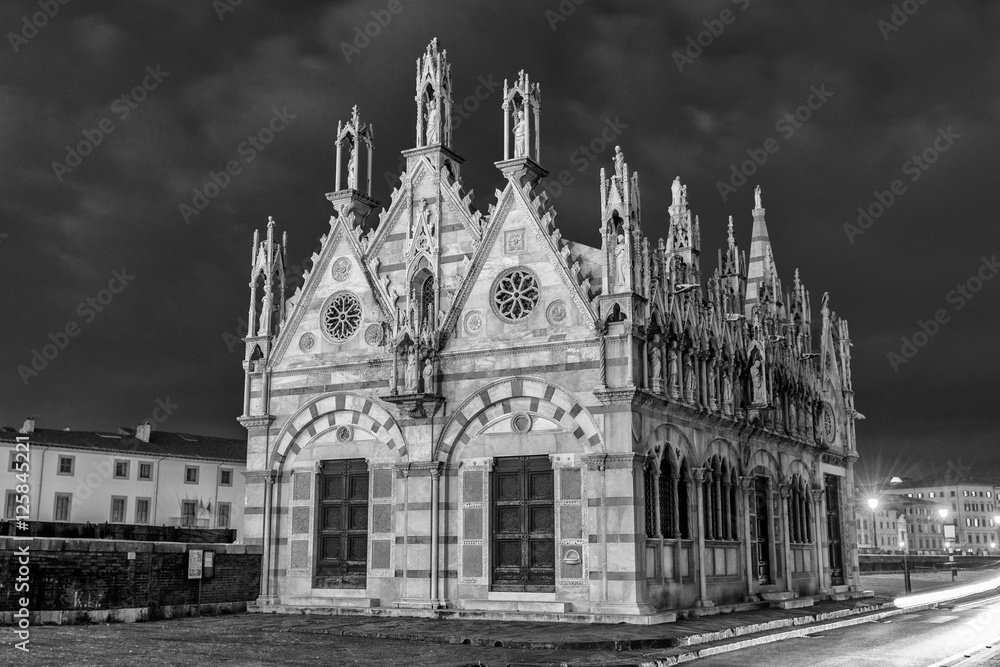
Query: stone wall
105	580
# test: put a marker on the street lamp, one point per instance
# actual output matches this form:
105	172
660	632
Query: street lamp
906	566
873	504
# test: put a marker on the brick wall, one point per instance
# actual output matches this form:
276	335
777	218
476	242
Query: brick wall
99	575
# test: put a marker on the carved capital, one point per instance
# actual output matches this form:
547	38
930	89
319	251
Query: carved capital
785	490
700	475
747	483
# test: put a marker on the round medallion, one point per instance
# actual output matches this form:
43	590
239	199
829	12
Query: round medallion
474	323
557	312
345	434
307	342
341	269
515	294
520	422
828	424
373	335
341	316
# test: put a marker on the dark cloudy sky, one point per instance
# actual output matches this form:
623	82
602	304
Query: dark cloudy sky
163	337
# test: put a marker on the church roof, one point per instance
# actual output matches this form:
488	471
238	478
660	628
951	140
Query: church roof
123	441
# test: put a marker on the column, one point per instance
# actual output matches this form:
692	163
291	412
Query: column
506	130
818	514
786	493
699	477
266	595
746	485
336	178
435	529
538	133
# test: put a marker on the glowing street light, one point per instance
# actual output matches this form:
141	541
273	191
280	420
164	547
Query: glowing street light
943	513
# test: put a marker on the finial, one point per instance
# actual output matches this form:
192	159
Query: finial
675	190
732	239
270	221
756	197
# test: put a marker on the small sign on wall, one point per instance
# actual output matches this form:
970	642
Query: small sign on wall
195	562
208	571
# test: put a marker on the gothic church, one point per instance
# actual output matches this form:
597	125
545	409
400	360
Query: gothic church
465	411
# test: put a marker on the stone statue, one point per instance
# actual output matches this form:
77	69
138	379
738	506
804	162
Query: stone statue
352	167
656	366
619	163
727	390
675	190
411	378
620	263
672	370
756	197
689	379
265	310
757	382
520	133
428	376
433	134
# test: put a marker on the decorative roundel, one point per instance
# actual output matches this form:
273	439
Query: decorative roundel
345	434
515	294
520	422
373	335
557	312
828	424
307	342
341	269
341	316
474	322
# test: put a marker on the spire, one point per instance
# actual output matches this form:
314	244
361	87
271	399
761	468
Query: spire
433	98
761	268
684	235
522	139
353	134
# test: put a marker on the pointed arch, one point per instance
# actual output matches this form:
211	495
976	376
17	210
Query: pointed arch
335	409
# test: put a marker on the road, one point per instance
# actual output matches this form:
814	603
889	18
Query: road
955	636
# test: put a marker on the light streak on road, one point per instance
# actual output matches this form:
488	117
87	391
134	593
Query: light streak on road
932	597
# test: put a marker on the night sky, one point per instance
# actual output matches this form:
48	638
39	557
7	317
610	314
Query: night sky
907	111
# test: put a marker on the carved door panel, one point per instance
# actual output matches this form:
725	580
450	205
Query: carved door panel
760	542
523	545
831	484
342	541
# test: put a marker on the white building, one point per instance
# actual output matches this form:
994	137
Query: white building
972	506
128	476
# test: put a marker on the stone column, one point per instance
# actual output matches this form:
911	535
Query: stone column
267	596
702	600
336	178
746	485
435	528
818	515
786	494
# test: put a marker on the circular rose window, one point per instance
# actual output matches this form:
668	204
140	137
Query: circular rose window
515	294
341	316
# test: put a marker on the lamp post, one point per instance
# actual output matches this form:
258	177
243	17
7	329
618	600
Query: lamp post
873	504
906	566
943	513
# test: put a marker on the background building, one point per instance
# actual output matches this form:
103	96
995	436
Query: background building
972	504
128	476
900	517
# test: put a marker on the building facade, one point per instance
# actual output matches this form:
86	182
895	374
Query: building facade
972	505
465	410
902	519
128	476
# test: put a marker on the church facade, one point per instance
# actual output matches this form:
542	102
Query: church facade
461	410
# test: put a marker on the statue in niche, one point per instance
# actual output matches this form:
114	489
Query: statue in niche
619	163
757	386
520	133
689	379
727	389
352	165
620	261
656	365
672	369
433	134
265	309
411	377
428	375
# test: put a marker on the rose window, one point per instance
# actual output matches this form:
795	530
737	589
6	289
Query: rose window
515	294
342	316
